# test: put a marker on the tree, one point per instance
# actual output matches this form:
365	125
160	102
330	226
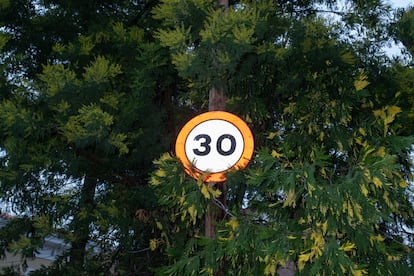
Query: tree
328	188
84	104
93	91
403	29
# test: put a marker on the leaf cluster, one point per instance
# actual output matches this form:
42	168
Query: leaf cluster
331	174
92	92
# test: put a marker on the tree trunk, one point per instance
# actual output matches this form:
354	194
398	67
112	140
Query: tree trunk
224	3
288	270
217	102
213	212
81	222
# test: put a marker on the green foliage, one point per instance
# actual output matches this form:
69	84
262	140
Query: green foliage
101	70
93	91
331	174
212	52
24	235
404	29
81	125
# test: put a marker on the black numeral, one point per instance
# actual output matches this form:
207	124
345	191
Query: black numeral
205	144
220	144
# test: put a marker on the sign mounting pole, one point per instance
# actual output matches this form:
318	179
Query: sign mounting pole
217	102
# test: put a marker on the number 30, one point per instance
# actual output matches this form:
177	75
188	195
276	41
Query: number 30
205	144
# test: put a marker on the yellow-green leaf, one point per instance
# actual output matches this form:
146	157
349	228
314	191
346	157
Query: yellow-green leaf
204	191
380	152
359	272
348	246
364	190
192	211
403	183
290	199
270	269
159	225
377	238
233	223
393	258
275	154
153	244
377	182
303	259
361	82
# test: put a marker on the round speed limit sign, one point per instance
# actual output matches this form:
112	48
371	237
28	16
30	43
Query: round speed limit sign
214	143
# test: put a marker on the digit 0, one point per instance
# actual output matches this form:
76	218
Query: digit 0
220	144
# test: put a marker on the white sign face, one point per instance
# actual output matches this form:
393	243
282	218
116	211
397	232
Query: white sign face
214	146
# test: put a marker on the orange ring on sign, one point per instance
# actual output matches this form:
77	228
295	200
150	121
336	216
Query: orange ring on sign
234	120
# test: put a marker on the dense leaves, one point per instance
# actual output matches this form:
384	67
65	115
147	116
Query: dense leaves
93	91
327	188
79	136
